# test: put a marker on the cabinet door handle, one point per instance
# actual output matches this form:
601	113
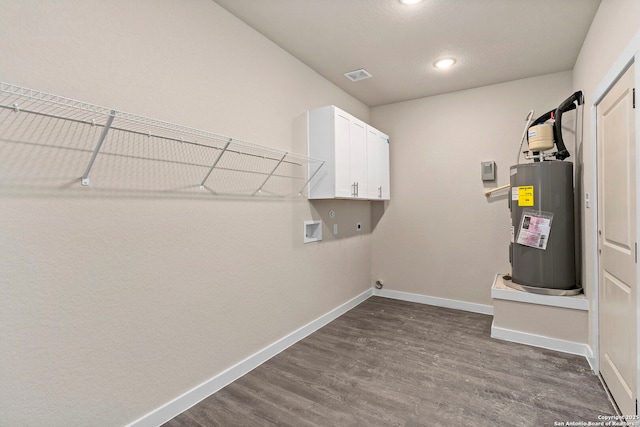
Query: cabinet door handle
380	192
357	189
353	190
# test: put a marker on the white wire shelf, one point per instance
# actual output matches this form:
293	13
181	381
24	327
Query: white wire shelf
47	138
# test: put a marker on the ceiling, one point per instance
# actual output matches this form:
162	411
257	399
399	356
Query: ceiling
493	41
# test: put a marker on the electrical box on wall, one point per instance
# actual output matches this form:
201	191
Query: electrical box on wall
312	231
488	171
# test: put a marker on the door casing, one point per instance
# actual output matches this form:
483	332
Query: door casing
631	54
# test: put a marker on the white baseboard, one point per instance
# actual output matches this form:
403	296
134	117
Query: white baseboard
592	360
438	302
543	342
190	398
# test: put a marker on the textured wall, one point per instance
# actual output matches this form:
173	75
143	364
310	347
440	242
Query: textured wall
113	303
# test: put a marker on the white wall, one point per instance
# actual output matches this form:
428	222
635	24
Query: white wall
440	235
112	305
616	23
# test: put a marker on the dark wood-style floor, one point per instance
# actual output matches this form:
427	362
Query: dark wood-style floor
395	363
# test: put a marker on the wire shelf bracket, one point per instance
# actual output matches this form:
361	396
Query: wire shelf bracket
311	177
224	150
259	190
85	176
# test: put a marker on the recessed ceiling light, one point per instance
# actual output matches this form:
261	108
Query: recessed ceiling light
357	75
410	1
444	63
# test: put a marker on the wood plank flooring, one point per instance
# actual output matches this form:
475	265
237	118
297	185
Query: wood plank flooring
396	363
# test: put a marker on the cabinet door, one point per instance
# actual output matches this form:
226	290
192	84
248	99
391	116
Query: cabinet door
342	136
358	158
385	179
378	165
350	160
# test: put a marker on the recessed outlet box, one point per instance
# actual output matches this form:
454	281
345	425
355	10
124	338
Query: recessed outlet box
312	231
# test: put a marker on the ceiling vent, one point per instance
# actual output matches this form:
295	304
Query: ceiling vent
356	75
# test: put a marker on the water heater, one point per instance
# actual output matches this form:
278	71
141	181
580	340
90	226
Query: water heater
542	250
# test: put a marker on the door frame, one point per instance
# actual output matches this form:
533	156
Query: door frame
630	55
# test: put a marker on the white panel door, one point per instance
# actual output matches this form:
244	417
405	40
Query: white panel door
617	242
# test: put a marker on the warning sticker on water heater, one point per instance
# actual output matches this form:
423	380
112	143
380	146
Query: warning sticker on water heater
534	229
525	195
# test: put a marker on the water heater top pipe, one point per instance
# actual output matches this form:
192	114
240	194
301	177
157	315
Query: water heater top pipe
529	120
566	105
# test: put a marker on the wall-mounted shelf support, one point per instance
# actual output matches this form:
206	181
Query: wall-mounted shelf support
224	150
259	190
311	177
103	136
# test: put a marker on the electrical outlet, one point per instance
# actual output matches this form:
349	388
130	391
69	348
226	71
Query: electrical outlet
335	229
358	226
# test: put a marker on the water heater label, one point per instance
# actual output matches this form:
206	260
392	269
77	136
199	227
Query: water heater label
525	195
535	228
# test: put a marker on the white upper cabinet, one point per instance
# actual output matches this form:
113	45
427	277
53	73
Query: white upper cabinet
377	165
356	156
